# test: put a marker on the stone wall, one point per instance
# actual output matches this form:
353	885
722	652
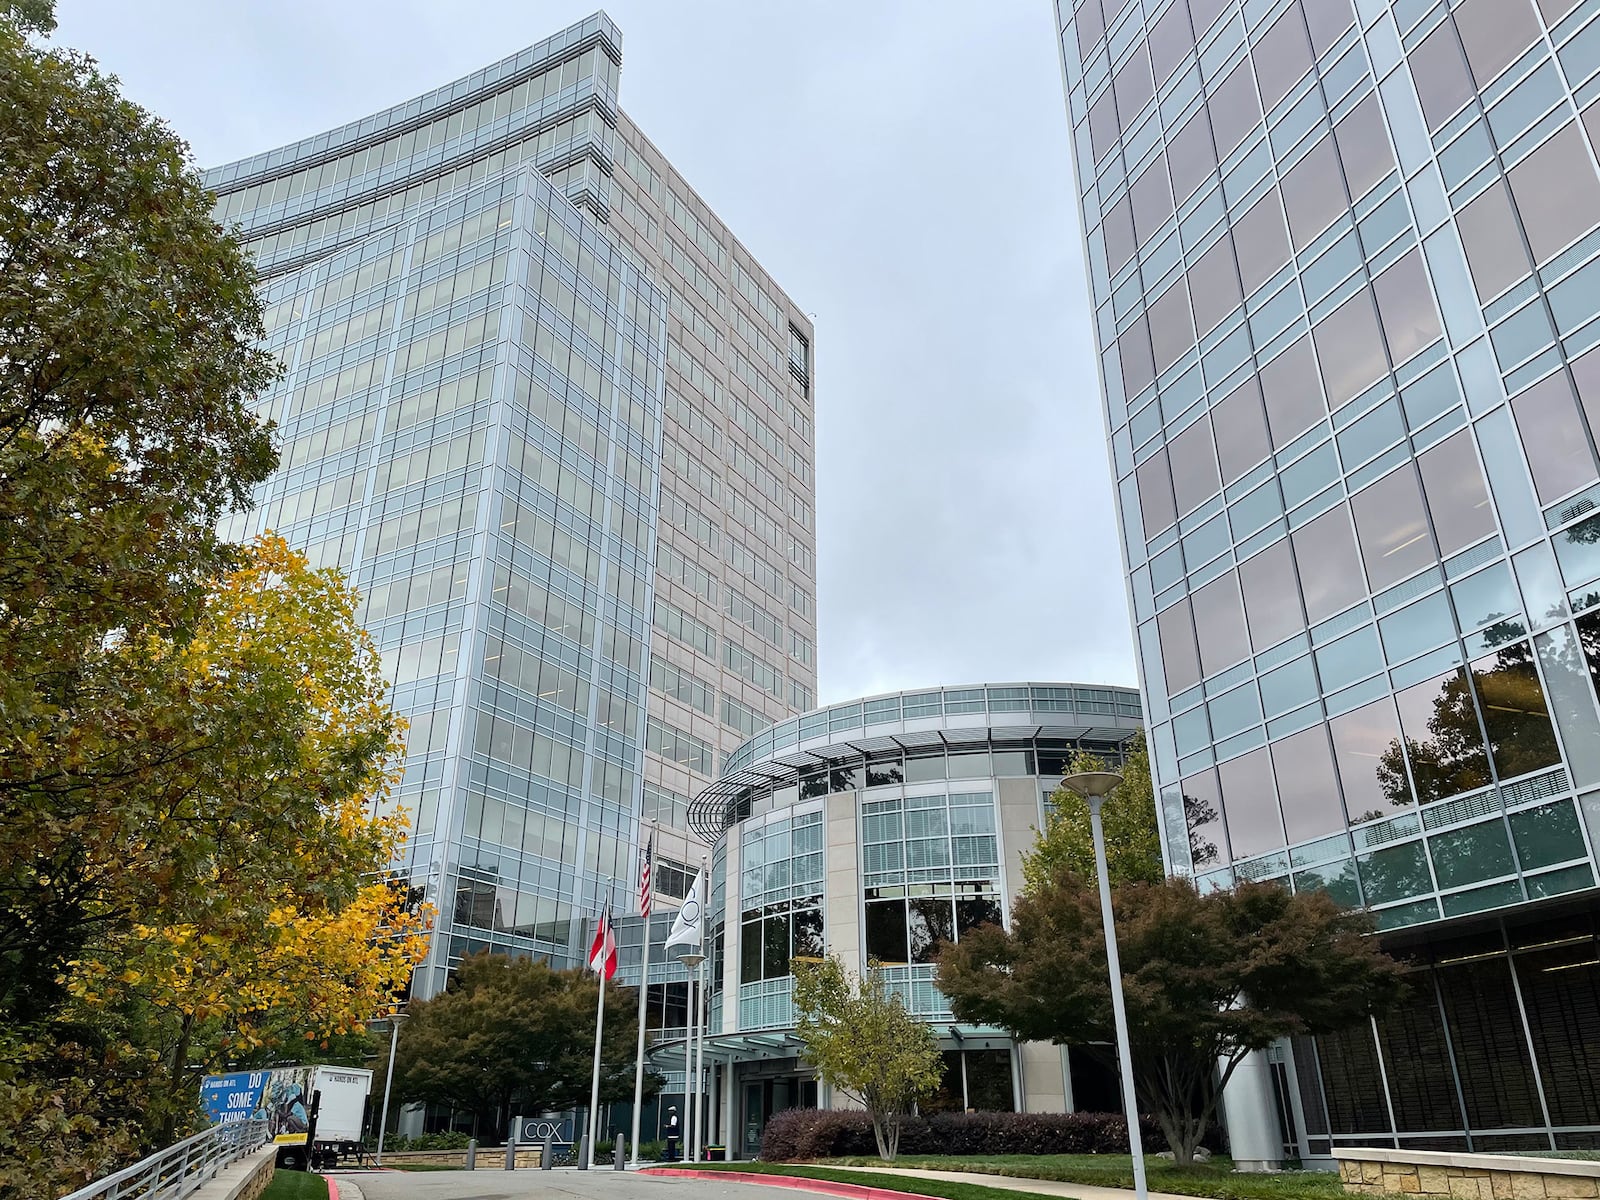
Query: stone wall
1466	1176
491	1157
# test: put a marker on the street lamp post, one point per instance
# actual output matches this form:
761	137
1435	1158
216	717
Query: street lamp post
691	1091
388	1080
1095	786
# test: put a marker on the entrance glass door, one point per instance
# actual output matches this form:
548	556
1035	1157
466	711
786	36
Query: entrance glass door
754	1119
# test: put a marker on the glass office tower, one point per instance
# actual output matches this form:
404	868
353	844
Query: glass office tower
555	422
1342	260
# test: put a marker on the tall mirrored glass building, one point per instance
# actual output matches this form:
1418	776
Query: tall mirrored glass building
1342	261
555	422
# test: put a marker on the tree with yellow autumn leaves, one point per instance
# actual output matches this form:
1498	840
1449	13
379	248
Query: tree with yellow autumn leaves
196	750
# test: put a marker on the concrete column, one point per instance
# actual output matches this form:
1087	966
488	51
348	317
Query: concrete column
1254	1138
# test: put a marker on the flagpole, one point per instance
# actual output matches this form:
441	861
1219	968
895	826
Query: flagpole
701	1016
594	1087
644	1008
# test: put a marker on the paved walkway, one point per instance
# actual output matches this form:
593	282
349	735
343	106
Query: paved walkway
1039	1187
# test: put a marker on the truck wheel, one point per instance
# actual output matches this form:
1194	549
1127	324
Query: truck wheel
292	1158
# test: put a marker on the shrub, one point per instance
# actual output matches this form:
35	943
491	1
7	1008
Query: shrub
651	1151
429	1141
805	1133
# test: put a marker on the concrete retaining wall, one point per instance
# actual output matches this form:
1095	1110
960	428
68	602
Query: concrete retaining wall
493	1157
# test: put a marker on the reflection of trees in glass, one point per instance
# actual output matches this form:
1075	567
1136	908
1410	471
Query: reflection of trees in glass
1201	815
1450	759
1447	753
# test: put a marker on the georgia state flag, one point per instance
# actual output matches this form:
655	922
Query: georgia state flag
603	953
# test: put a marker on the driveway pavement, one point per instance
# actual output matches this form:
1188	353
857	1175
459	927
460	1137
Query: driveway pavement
565	1184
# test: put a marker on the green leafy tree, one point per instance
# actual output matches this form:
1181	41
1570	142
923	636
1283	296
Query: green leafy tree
1207	979
129	360
862	1041
515	1036
1128	816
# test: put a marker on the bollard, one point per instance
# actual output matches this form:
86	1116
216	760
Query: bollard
511	1144
583	1153
547	1157
620	1154
472	1154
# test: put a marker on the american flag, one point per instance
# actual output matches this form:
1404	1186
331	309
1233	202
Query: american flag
644	876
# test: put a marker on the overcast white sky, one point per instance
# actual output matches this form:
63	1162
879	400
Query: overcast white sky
901	169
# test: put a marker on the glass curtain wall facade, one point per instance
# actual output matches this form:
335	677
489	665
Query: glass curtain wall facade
554	422
1342	261
876	830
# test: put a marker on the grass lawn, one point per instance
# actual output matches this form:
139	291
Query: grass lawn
940	1188
296	1185
1215	1179
394	1166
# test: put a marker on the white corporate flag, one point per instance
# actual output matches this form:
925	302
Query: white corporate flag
687	929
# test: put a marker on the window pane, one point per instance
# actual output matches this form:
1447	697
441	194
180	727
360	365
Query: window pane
1392	528
1282	57
1457	498
1313	193
1442	737
1307	788
1152	200
1194	465
1515	713
1271	596
1351	349
1366	746
1091	27
750	952
1405	304
1440	72
1241	429
931	923
1586	374
776	947
921	768
1214	285
1171	326
1234	109
1202	812
808	941
1219	624
1288	384
1494	34
1471	855
1138	368
1553	438
1170	40
1103	130
1178	652
1262	241
1493	242
1155	495
1556	192
1118	231
1251	805
1328	19
1330	568
989	1071
1133	87
1364	146
886	931
973	912
1547	835
1190	155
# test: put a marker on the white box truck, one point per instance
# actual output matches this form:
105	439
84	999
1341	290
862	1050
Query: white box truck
314	1114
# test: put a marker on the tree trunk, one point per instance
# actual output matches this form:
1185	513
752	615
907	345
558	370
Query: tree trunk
180	1056
881	1132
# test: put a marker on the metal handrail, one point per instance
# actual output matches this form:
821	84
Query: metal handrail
182	1167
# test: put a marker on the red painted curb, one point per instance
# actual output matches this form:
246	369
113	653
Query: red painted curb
333	1188
828	1187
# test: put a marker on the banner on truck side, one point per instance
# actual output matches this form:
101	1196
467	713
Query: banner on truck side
282	1096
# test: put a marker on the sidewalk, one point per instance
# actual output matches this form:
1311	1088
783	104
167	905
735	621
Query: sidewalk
1006	1183
1010	1183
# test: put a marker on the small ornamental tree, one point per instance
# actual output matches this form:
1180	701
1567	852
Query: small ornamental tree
1206	979
1128	815
863	1042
